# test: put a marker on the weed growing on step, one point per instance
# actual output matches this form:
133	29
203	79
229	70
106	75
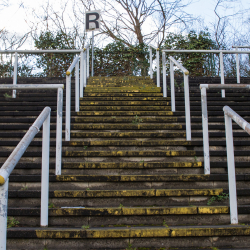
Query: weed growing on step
121	205
85	227
142	161
214	248
113	117
51	205
242	224
6	95
164	223
24	188
85	147
12	222
137	120
130	247
45	248
220	197
87	189
195	158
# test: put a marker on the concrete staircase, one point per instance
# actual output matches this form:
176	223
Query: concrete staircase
130	180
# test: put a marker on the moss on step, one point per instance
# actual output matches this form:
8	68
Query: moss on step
131	165
136	193
142	232
153	153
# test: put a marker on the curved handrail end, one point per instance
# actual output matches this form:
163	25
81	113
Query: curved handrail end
3	176
67	73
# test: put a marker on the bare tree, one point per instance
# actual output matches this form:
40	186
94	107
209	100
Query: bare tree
139	21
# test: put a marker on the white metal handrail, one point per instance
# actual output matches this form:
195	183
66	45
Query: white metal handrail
84	75
203	88
59	88
157	64
13	159
16	52
186	93
230	115
220	52
75	64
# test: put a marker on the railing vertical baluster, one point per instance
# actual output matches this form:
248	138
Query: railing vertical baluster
45	173
59	131
3	214
77	87
187	107
231	171
15	75
151	62
205	131
92	64
165	92
84	68
68	107
172	86
238	67
81	74
158	66
88	62
222	74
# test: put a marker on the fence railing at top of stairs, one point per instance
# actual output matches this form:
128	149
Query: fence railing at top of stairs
9	165
16	52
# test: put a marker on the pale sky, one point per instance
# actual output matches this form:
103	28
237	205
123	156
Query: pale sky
17	16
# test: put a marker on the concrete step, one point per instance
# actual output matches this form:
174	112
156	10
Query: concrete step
125	108
122	237
130	216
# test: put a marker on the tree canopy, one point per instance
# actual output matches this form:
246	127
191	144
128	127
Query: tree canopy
54	65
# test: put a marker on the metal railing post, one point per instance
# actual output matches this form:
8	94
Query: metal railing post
151	62
15	75
68	107
231	171
77	87
158	66
165	92
85	68
237	67
205	131
81	74
222	74
3	214
88	62
92	65
187	107
45	173
172	86
59	131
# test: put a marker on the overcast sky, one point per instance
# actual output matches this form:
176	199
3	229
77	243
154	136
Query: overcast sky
17	17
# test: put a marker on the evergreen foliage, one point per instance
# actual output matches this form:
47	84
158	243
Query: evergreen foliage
54	64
